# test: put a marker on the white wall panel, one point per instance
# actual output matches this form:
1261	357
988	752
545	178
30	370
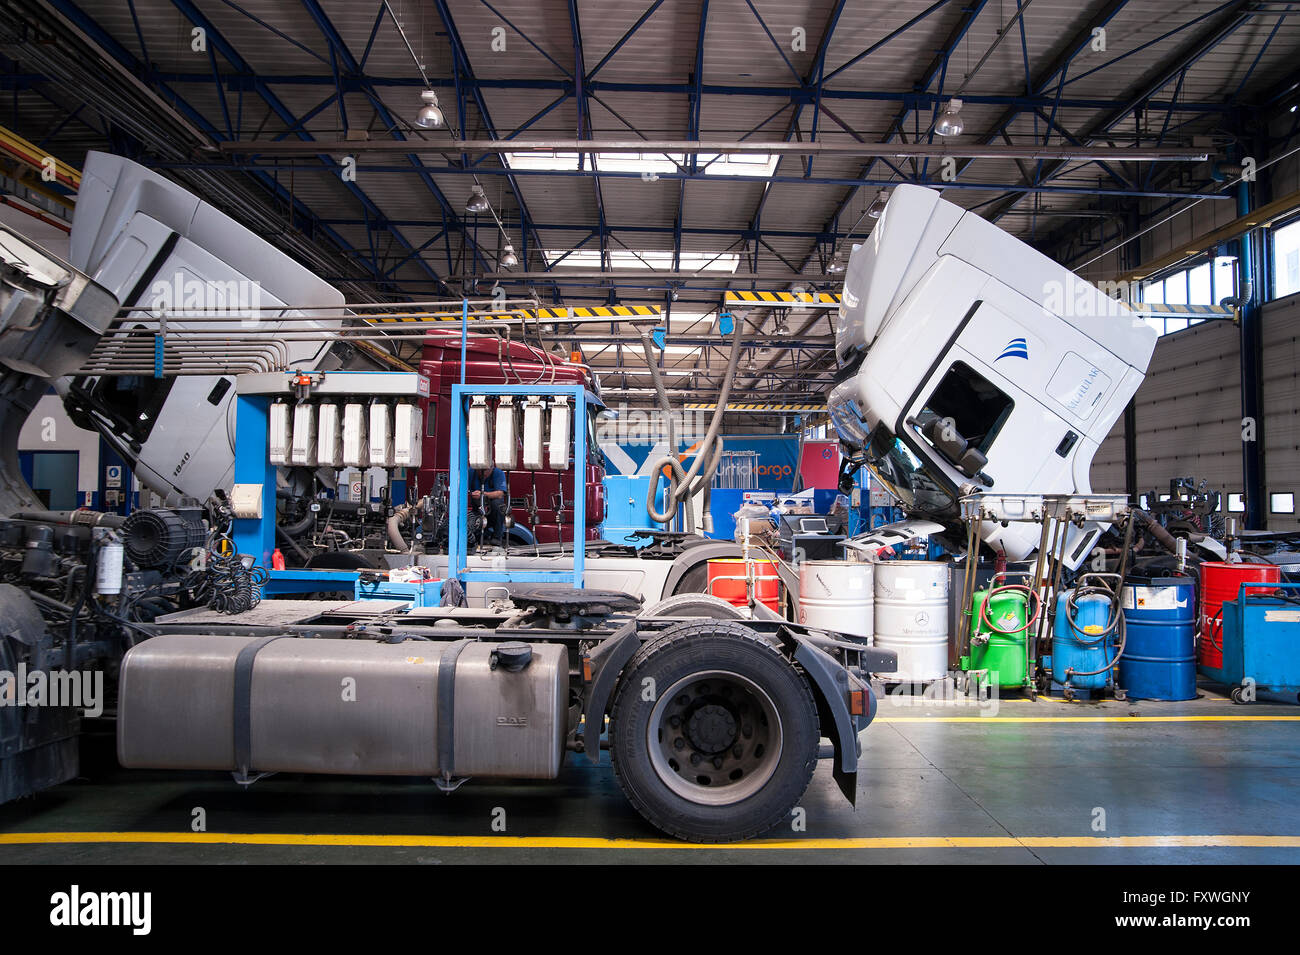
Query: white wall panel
1189	418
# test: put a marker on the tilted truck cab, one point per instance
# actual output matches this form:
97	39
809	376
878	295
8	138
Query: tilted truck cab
969	361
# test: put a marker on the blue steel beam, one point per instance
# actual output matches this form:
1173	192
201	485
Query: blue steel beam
933	8
461	58
127	59
374	32
779	49
622	40
1153	42
232	56
702	176
815	75
696	103
937	69
1055	73
278	32
910	99
1185	57
934	69
339	49
584	130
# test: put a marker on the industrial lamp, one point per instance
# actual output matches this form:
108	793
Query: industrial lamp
949	122
508	258
477	204
430	114
877	207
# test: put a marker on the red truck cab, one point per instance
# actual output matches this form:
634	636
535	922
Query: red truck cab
541	502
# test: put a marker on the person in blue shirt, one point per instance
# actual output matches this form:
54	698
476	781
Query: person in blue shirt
487	491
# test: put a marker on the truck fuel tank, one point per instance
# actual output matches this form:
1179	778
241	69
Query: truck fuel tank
343	706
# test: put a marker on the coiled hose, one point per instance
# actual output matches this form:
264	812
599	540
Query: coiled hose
684	485
232	587
1114	624
998	591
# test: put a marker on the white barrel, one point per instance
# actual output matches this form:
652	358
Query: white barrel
837	595
912	618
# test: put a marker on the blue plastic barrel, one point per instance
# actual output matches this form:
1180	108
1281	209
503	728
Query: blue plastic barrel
1078	648
1160	653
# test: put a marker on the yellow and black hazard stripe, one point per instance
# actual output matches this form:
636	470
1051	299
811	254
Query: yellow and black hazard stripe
759	407
613	312
1157	309
793	299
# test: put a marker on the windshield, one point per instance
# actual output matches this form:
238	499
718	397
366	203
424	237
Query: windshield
906	477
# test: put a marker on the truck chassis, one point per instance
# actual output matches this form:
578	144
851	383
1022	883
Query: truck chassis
714	720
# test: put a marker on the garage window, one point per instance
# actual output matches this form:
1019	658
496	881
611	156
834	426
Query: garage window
1205	284
1286	260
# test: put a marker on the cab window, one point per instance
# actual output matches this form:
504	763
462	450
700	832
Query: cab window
977	408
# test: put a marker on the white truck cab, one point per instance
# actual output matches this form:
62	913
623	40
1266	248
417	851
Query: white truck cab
152	244
969	361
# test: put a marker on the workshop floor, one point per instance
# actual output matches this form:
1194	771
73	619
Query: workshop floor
943	782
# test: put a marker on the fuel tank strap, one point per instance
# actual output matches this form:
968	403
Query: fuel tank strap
243	714
447	708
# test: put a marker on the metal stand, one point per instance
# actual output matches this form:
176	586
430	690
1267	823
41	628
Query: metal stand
458	536
1056	513
255	535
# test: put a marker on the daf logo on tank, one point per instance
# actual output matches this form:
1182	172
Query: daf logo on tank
1016	348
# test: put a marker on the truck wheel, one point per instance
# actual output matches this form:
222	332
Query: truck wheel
713	733
695	605
694	581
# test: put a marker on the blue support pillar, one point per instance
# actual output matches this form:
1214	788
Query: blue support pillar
253	466
1252	451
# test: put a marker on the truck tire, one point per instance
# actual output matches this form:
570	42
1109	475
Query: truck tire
713	733
694	581
696	605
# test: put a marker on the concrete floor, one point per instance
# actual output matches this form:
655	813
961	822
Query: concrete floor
945	782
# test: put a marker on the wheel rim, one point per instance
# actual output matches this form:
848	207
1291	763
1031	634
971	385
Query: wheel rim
714	737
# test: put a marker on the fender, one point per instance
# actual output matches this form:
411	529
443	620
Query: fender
606	662
831	684
703	553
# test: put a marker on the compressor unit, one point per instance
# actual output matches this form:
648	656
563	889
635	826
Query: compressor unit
1001	622
1087	637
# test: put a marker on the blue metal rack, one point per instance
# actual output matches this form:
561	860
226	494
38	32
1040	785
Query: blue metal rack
458	535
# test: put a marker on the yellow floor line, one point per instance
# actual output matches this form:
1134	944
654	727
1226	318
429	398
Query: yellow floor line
570	842
1086	719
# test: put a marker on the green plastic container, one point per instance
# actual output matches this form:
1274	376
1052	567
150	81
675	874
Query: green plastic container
1002	655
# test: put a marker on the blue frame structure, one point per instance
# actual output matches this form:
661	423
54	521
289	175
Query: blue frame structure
457	548
253	466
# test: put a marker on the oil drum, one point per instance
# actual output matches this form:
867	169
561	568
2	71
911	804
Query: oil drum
1220	582
912	618
837	595
727	579
1160	647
